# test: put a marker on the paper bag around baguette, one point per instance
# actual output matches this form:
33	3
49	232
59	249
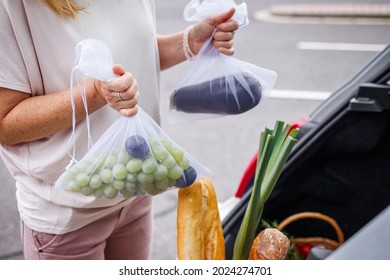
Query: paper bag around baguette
199	227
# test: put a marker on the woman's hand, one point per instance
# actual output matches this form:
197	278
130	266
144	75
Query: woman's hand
121	93
223	37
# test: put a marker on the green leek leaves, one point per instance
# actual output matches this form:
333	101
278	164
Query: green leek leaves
274	148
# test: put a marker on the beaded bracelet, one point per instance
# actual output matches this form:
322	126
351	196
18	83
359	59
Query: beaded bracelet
186	46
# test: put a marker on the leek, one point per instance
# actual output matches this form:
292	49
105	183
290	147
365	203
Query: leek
274	149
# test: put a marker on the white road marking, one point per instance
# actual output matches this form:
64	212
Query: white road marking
266	16
340	46
299	94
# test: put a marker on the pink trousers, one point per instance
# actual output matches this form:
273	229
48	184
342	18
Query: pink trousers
123	235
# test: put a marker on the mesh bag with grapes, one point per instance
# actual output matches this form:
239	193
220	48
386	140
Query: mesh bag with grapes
133	157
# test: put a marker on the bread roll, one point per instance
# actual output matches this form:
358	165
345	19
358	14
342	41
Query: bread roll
199	228
270	244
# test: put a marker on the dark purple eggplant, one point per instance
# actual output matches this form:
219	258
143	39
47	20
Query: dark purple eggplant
216	96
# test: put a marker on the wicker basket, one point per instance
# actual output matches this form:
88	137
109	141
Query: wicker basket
315	241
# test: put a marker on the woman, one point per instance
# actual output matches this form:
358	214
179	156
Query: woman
37	55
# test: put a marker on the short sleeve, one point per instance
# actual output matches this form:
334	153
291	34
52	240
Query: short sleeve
13	72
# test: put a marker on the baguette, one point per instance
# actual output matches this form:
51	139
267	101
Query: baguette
190	241
214	242
270	244
199	228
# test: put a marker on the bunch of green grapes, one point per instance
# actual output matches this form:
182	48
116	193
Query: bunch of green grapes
138	168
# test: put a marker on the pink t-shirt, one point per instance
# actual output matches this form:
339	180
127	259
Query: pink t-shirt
36	56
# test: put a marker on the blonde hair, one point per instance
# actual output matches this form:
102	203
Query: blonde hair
65	8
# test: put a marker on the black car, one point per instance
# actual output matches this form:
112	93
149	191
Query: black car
340	167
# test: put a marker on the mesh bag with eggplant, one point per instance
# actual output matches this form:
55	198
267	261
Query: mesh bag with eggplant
216	84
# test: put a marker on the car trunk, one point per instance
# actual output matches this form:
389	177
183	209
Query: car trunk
341	164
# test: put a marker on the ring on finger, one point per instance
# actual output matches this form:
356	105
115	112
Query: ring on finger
120	96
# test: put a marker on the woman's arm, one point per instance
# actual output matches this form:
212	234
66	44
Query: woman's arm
170	49
171	46
24	118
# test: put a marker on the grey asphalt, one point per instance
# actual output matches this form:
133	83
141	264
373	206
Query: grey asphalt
226	145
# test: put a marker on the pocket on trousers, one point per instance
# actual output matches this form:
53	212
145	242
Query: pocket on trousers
43	240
